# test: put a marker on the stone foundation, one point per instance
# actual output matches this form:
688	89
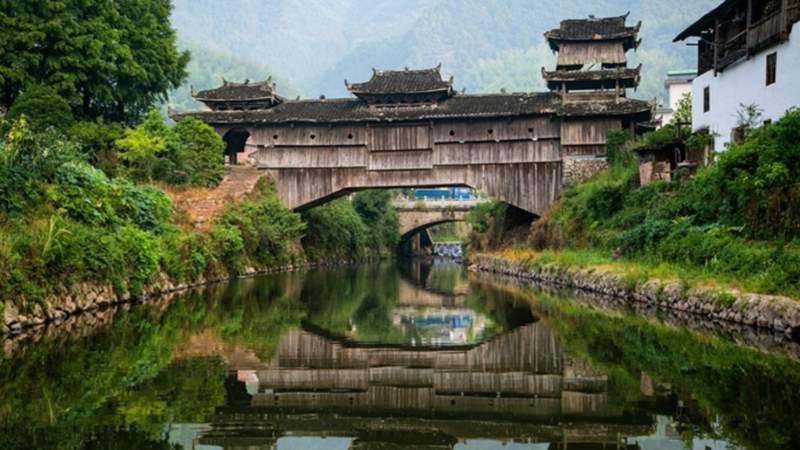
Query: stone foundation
774	313
577	170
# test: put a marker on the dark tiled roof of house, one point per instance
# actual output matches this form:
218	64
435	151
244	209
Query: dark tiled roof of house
229	91
348	110
402	82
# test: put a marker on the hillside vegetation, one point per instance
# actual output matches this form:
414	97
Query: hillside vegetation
736	222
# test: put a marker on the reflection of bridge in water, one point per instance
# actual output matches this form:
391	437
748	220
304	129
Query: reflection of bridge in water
519	386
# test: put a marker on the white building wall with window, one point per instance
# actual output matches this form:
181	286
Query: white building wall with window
746	83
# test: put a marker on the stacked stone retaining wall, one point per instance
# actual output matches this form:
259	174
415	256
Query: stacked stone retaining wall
775	313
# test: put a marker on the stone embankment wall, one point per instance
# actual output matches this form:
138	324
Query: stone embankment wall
88	298
775	313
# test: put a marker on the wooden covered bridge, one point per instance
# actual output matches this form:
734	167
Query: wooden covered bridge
411	128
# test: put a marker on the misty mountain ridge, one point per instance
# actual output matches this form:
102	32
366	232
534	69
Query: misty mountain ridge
312	46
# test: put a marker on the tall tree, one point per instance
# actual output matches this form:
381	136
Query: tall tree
108	58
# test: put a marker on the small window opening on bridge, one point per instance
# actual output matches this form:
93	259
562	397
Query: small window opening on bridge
275	136
491	131
313	136
452	132
350	136
530	130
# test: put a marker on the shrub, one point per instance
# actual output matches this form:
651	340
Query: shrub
43	107
97	140
618	154
196	151
145	206
83	192
335	230
267	228
230	247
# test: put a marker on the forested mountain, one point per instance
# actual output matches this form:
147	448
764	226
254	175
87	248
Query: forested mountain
486	44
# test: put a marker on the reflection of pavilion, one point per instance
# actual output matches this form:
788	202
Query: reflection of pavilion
519	386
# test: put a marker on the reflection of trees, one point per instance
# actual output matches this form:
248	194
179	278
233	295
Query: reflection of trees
752	396
355	301
255	313
439	278
79	392
60	393
444	278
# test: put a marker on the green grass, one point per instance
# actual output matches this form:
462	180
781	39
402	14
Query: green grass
636	270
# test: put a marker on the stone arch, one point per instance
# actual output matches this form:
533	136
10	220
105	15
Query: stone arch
235	141
405	236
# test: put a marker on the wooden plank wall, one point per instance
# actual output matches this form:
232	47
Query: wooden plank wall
587	131
594	52
514	160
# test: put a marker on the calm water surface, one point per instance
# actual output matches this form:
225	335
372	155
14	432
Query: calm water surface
385	356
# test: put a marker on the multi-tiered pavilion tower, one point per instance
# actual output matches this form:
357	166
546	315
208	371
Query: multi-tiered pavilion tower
591	59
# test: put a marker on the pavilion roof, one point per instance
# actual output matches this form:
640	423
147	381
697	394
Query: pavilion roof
230	91
407	81
594	29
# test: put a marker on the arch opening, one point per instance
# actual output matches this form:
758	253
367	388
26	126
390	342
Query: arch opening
236	150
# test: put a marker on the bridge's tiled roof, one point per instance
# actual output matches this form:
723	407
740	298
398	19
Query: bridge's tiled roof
457	107
230	91
402	82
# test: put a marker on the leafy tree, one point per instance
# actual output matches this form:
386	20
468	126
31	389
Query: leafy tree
111	59
197	153
684	111
142	150
98	141
376	210
43	107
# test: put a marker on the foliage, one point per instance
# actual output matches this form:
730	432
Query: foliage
141	150
64	221
335	230
487	220
107	59
196	151
376	210
265	227
43	107
683	113
738	217
98	141
748	116
190	152
618	153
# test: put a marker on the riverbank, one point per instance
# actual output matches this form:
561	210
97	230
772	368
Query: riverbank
775	313
88	298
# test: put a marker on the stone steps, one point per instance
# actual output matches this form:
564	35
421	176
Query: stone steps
202	204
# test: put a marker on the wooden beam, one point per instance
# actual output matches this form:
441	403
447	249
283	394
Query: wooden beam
716	46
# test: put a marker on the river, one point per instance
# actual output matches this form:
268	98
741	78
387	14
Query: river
410	354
